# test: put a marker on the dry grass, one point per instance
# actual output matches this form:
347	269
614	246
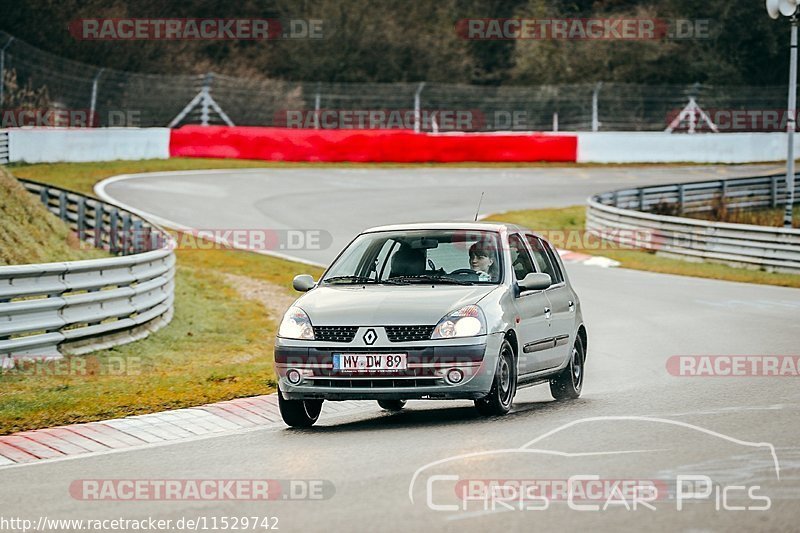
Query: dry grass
31	234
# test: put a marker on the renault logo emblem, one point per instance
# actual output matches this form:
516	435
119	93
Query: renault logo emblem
370	337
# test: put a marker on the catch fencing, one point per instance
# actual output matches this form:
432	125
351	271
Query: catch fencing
107	97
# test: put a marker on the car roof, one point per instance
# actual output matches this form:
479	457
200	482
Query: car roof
479	226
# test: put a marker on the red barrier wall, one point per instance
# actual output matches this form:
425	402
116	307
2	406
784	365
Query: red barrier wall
402	146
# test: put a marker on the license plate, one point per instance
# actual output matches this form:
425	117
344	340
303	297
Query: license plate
369	362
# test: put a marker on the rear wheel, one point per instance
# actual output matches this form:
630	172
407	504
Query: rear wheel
299	413
569	383
499	399
392	405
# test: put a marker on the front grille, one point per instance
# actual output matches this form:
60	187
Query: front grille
335	333
409	333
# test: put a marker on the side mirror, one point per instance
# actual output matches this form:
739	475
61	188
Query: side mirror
535	281
303	283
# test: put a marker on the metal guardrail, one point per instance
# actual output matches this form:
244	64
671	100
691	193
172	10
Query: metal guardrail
649	218
76	307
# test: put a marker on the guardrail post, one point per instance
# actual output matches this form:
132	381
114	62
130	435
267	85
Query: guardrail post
98	225
615	199
126	234
81	217
112	231
723	193
641	199
137	236
62	205
774	192
44	197
680	199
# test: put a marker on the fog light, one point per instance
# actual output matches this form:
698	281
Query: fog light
293	376
455	375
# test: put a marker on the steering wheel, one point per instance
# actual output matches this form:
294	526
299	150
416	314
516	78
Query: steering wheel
463	271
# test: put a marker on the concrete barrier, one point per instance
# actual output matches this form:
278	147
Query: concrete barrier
49	145
659	147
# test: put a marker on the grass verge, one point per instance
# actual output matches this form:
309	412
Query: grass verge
217	347
574	219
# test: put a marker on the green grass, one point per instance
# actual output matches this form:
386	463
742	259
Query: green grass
217	347
574	218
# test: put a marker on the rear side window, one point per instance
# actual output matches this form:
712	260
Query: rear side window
545	261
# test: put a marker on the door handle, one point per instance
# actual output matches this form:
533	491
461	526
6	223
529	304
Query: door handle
547	312
571	306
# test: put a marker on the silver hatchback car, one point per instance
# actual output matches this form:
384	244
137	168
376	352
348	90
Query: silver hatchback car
432	311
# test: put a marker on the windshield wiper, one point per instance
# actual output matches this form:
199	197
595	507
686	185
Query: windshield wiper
363	279
426	278
352	279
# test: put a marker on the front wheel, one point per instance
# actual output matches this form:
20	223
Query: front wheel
299	413
568	384
392	405
499	399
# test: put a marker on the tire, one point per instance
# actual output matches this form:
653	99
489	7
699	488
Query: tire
569	383
504	387
299	413
392	405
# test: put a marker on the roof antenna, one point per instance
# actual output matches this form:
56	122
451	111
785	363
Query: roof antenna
479	207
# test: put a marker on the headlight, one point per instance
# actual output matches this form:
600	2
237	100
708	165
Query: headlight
296	325
465	322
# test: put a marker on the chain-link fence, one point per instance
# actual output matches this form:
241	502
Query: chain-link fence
34	80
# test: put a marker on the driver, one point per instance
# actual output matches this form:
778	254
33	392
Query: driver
482	261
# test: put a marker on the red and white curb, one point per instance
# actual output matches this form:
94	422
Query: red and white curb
151	429
569	256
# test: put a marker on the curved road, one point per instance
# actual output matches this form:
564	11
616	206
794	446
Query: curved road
634	421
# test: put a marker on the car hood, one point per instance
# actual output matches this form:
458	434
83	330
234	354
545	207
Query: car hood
386	305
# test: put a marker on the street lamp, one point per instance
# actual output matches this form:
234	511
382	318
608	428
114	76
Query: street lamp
788	8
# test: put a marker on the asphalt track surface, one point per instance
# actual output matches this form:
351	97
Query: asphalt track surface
634	420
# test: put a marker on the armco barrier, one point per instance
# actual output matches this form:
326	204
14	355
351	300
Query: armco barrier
400	146
79	306
621	216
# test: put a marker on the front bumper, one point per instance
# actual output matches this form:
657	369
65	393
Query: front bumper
428	363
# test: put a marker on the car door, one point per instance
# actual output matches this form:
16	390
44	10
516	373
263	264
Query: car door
561	300
533	307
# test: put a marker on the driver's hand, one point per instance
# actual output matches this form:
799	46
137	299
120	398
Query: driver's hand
483	276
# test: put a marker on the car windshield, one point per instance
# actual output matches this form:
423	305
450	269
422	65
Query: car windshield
452	257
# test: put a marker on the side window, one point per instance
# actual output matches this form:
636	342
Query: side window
520	260
556	265
544	259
